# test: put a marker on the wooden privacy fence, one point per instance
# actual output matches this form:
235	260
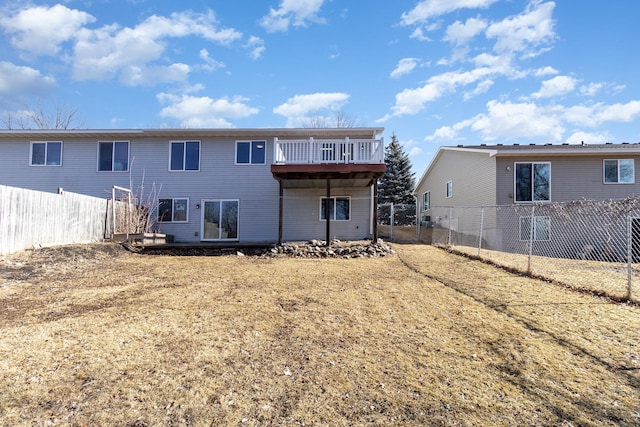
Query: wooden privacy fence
33	218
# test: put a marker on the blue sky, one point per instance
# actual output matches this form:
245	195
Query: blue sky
434	72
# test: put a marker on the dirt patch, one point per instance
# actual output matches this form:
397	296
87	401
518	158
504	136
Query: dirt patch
421	337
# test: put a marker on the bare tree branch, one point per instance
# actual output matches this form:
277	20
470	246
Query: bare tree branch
60	117
339	120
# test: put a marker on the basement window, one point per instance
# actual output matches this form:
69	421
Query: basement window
339	209
173	210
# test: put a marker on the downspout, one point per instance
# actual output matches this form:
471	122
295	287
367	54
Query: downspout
327	211
375	211
280	211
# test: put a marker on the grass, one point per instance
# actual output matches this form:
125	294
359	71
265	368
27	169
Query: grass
610	279
94	335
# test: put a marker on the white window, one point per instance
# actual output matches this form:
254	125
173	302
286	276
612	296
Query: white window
532	182
449	189
113	156
541	228
48	153
251	152
339	209
173	210
426	201
619	171
184	156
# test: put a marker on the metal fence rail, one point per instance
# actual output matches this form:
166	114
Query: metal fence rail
590	245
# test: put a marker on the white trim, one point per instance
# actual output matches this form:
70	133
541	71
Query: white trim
535	228
618	170
449	189
173	207
113	156
46	153
184	155
203	209
250	142
515	176
335	198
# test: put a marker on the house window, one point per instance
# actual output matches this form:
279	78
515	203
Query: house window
619	171
449	189
251	152
220	219
532	182
426	201
173	210
113	156
46	153
541	228
184	156
339	209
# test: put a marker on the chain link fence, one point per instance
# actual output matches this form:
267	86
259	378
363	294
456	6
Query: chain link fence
593	246
392	216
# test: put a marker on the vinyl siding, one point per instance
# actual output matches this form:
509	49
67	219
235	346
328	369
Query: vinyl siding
572	178
218	178
302	214
472	174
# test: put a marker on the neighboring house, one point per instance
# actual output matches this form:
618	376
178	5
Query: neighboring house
215	185
522	176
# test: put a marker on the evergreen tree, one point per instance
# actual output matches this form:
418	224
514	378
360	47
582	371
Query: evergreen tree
397	183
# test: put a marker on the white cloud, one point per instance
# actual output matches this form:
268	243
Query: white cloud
299	109
545	71
505	121
481	88
17	80
591	89
460	33
412	101
256	46
419	34
556	86
112	51
444	133
589	138
405	66
523	32
301	105
600	113
200	112
427	9
40	30
210	64
292	12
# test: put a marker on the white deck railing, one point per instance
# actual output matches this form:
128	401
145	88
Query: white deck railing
302	151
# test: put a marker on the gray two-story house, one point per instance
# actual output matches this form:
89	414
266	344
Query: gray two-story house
215	185
521	177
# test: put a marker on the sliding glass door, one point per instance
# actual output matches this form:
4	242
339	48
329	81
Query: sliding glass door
220	220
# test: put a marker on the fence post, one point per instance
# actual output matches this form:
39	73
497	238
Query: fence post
629	254
481	227
531	231
391	213
449	237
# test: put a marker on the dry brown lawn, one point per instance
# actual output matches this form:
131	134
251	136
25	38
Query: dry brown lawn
94	335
